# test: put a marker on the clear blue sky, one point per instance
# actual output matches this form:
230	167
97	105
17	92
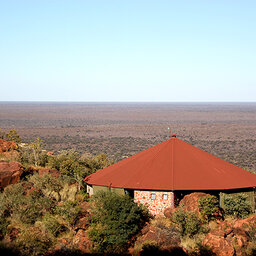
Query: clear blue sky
127	50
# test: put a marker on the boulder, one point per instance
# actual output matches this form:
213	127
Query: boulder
81	223
168	212
166	238
231	237
10	173
242	234
191	201
219	245
6	146
245	224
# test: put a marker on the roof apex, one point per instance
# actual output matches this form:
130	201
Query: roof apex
173	165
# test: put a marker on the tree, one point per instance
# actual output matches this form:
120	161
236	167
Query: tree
96	163
115	221
36	148
13	136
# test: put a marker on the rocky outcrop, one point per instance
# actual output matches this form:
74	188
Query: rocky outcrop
6	146
246	224
82	241
10	173
168	212
191	202
230	238
164	237
219	245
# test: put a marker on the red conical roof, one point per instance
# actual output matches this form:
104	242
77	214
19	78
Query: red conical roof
173	165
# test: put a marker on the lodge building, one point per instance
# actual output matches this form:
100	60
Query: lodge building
160	176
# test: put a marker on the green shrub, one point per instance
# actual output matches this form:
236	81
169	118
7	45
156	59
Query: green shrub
115	221
47	184
4	222
12	135
33	242
237	205
26	208
189	223
69	210
52	225
208	206
12	198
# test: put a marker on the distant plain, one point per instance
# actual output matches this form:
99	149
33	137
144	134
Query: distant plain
227	130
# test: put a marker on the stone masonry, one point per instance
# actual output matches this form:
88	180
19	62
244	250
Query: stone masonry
156	201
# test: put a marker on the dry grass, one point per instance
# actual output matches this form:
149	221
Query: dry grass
191	244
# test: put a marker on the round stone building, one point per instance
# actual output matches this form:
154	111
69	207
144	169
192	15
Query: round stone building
160	176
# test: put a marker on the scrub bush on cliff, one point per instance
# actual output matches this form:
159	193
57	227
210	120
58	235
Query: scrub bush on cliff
26	208
115	221
188	222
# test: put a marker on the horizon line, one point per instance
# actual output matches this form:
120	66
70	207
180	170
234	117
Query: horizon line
61	101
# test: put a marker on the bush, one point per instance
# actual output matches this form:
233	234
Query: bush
53	225
12	198
237	205
33	154
69	210
33	242
48	185
208	206
189	223
115	221
4	222
26	208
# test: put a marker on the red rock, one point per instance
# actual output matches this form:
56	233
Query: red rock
168	212
191	201
12	235
245	223
230	237
226	228
241	238
167	238
6	146
53	172
82	223
219	245
82	241
85	208
145	229
10	173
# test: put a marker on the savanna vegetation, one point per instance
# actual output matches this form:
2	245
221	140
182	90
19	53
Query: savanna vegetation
49	213
121	130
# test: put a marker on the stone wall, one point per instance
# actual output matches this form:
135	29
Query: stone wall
163	200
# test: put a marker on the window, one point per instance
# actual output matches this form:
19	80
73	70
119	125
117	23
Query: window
153	196
165	196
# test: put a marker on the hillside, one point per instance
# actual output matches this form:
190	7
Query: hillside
45	210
